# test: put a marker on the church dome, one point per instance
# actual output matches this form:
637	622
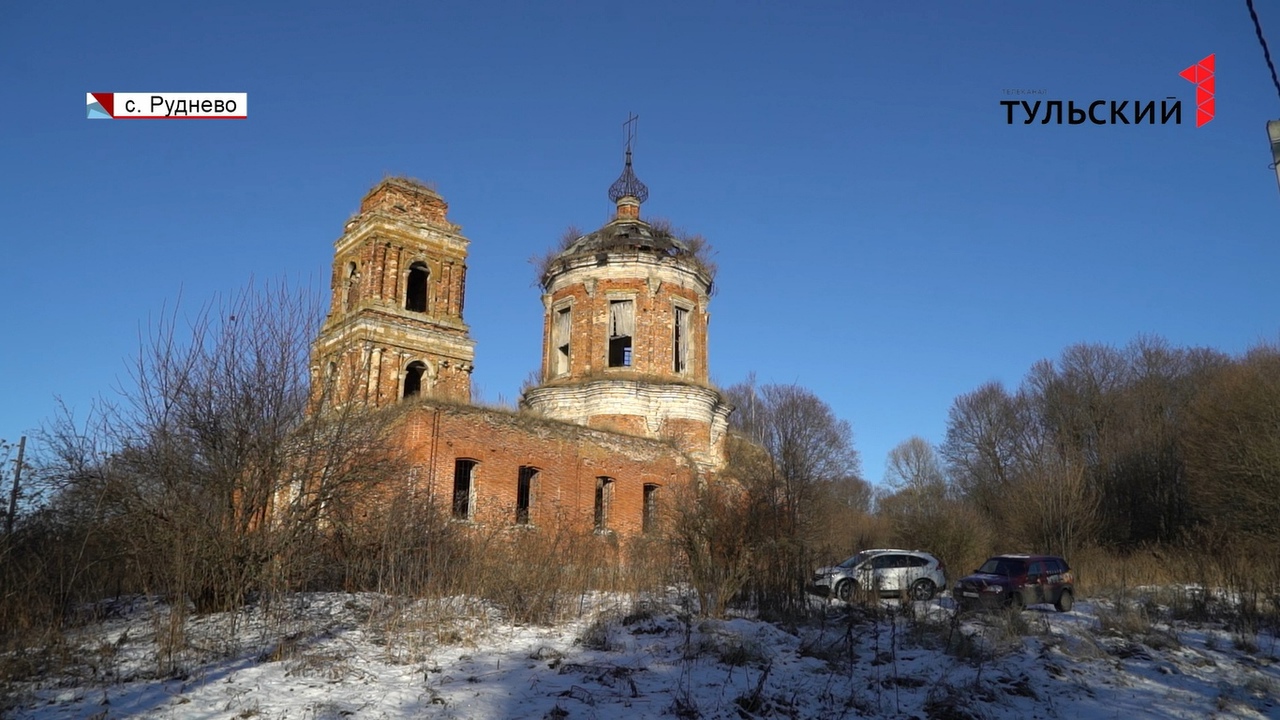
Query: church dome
626	235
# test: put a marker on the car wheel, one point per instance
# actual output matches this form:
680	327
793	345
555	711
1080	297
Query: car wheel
844	590
923	590
1065	600
1015	601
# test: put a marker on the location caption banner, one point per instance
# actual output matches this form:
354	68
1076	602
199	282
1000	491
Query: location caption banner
167	106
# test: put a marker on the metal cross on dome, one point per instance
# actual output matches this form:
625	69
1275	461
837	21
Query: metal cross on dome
628	185
629	130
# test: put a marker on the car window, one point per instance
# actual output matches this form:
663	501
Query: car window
883	562
1002	566
1036	568
1057	566
916	561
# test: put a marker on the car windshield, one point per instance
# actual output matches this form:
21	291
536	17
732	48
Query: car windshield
855	560
1003	566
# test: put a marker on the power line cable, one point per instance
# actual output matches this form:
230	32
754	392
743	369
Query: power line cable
1261	40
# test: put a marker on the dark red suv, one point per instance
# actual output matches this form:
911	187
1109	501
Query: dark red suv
1017	581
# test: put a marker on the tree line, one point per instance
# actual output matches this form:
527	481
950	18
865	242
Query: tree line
207	481
1144	446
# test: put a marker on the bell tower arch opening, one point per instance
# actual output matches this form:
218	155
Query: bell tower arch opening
353	278
416	287
413	378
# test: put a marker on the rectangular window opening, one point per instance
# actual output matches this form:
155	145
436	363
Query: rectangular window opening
524	494
561	333
680	351
622	323
604	499
464	488
650	509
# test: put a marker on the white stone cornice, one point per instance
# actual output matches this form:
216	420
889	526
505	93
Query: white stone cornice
631	266
655	402
393	227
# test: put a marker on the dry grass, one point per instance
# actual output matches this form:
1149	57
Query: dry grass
1102	572
1218	581
1134	623
700	250
541	262
430	185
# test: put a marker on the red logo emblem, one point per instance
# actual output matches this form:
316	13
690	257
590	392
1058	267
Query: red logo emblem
1202	75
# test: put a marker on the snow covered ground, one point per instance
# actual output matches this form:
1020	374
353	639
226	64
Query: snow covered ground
371	656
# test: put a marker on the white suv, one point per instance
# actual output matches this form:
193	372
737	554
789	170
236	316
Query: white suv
888	571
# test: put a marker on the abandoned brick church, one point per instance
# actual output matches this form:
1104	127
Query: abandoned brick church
624	412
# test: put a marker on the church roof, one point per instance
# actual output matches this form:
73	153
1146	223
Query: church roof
623	235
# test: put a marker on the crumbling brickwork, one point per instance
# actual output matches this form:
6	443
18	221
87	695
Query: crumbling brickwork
395	324
625	415
657	295
625	338
569	462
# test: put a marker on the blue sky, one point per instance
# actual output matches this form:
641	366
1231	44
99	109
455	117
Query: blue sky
884	237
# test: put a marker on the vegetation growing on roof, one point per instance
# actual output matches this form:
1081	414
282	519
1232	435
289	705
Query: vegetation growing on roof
428	185
697	245
542	262
661	236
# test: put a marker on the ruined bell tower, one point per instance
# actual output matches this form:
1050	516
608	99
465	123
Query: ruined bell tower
395	328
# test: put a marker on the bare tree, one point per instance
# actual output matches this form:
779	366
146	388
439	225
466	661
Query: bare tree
1232	447
712	532
212	457
981	445
923	510
807	453
913	464
806	444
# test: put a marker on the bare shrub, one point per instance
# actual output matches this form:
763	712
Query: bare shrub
710	531
207	484
698	247
542	262
531	575
731	648
598	633
1133	622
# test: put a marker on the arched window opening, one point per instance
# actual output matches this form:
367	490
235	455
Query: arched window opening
353	277
413	378
416	296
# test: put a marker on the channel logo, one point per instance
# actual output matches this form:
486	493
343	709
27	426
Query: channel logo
166	106
1202	75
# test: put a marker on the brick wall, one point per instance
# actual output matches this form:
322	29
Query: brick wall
569	460
652	345
370	337
401	196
